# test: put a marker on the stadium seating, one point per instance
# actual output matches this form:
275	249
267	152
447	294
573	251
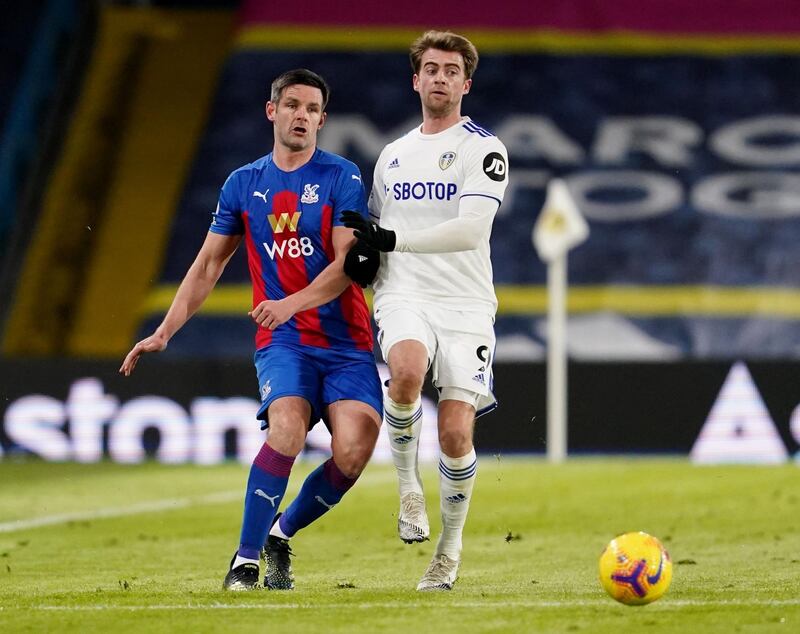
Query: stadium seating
723	273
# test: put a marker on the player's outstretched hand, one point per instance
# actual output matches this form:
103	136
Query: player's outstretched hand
368	231
153	343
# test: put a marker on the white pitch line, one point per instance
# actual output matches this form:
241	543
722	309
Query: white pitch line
152	506
482	605
121	511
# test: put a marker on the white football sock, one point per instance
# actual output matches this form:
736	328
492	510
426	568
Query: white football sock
244	560
403	424
456	480
276	531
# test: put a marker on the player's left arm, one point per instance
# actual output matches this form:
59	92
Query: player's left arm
463	233
482	194
329	284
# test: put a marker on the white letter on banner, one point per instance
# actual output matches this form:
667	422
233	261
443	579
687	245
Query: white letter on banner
794	428
669	140
659	194
88	408
34	422
761	195
739	428
531	137
738	141
125	433
213	417
344	132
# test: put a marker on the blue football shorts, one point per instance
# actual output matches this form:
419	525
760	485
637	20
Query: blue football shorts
319	375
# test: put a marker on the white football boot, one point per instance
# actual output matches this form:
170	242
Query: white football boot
440	575
412	521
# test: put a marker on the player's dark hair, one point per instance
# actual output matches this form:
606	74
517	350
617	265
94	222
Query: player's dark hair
445	41
303	77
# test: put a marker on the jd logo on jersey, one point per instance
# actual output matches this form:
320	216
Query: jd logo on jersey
494	166
285	220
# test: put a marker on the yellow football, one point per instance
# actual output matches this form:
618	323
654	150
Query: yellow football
635	568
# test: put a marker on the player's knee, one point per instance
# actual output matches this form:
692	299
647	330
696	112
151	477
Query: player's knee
352	466
352	460
405	384
455	442
287	436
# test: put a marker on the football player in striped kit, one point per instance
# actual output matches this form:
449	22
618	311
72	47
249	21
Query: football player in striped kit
314	356
435	193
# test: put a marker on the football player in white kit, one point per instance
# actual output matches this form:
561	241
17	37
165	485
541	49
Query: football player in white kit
436	191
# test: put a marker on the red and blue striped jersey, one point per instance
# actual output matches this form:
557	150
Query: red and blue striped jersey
287	219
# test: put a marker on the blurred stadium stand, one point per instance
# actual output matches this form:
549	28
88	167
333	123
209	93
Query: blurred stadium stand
42	44
675	124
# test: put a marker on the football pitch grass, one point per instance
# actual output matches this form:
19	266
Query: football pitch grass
145	548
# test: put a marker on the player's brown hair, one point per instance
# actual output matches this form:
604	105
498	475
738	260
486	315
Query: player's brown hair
445	41
303	77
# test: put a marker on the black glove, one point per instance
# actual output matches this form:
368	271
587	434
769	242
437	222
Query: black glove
361	263
369	231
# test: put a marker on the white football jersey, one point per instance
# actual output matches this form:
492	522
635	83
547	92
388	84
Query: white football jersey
419	181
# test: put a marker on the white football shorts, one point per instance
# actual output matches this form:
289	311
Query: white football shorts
460	347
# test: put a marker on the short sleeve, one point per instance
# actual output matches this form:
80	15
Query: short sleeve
486	169
227	219
377	195
349	194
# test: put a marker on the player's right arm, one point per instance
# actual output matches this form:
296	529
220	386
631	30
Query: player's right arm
377	195
193	291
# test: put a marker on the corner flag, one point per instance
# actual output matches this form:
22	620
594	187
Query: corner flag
559	228
560	225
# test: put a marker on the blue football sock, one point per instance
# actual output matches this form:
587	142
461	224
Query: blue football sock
321	491
269	476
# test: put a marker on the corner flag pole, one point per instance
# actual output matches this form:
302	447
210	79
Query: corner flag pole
559	228
557	359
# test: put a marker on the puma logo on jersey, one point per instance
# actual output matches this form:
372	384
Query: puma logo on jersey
310	194
261	196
